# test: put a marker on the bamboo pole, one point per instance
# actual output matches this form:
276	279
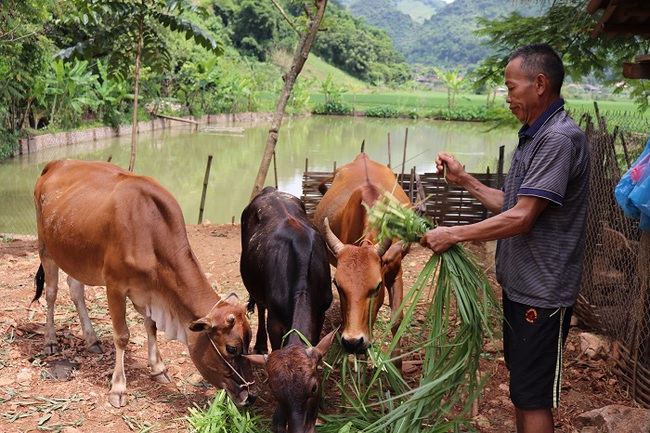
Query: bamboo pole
389	150
205	187
178	119
275	169
406	137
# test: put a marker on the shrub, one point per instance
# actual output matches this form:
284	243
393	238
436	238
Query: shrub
383	111
332	107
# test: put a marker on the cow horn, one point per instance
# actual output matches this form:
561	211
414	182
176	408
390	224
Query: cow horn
383	246
333	242
230	319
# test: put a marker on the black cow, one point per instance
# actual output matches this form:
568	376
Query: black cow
285	269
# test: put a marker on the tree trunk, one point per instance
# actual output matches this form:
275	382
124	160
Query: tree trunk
134	130
304	47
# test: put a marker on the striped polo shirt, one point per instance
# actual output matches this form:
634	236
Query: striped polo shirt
543	268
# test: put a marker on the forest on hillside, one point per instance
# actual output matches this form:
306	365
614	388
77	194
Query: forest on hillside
446	39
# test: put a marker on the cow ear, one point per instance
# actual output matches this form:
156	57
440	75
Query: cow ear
200	325
232	299
325	344
258	360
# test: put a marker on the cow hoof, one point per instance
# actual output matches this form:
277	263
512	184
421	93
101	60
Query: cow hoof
51	349
161	377
117	399
95	348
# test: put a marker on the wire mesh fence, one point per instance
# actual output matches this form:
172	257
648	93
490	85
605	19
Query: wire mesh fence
614	298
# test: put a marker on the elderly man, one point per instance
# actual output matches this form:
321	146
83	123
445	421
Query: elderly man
539	222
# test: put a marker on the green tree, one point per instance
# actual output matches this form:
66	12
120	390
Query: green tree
363	51
583	55
24	59
130	31
314	12
254	28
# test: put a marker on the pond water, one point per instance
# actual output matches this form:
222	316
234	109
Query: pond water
177	158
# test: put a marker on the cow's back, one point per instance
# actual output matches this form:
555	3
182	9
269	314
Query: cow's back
91	212
360	181
284	257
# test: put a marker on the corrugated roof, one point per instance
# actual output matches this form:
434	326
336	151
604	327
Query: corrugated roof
625	18
621	17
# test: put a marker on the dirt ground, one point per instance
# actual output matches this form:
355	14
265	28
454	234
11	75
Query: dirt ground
32	398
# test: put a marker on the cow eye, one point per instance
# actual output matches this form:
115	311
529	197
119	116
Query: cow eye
232	350
314	389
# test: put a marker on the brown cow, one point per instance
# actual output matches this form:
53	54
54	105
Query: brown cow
364	269
105	226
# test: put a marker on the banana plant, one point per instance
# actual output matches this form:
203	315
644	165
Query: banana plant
111	90
454	83
69	85
128	32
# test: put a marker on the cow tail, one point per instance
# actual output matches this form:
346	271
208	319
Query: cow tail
250	307
39	282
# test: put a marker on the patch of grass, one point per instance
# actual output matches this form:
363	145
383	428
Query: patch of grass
223	416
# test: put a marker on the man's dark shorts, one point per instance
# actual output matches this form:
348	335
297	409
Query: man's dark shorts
533	339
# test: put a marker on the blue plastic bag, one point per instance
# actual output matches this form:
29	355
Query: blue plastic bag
633	190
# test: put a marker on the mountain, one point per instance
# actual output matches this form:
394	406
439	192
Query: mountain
384	15
445	39
418	10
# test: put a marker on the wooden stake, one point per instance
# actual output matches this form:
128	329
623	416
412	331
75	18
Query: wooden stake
275	170
406	137
389	150
205	187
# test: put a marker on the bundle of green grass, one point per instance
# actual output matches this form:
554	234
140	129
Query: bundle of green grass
449	341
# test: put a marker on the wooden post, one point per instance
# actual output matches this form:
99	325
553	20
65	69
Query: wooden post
178	119
205	187
406	137
389	150
275	170
306	165
412	186
641	322
500	167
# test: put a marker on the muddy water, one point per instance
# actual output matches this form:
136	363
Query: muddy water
178	157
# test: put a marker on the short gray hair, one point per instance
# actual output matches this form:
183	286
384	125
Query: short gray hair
538	58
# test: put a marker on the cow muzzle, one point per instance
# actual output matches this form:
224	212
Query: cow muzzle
355	345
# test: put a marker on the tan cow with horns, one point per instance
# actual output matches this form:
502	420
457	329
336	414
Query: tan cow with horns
104	226
364	268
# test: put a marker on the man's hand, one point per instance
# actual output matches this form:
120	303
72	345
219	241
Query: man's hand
439	239
454	169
